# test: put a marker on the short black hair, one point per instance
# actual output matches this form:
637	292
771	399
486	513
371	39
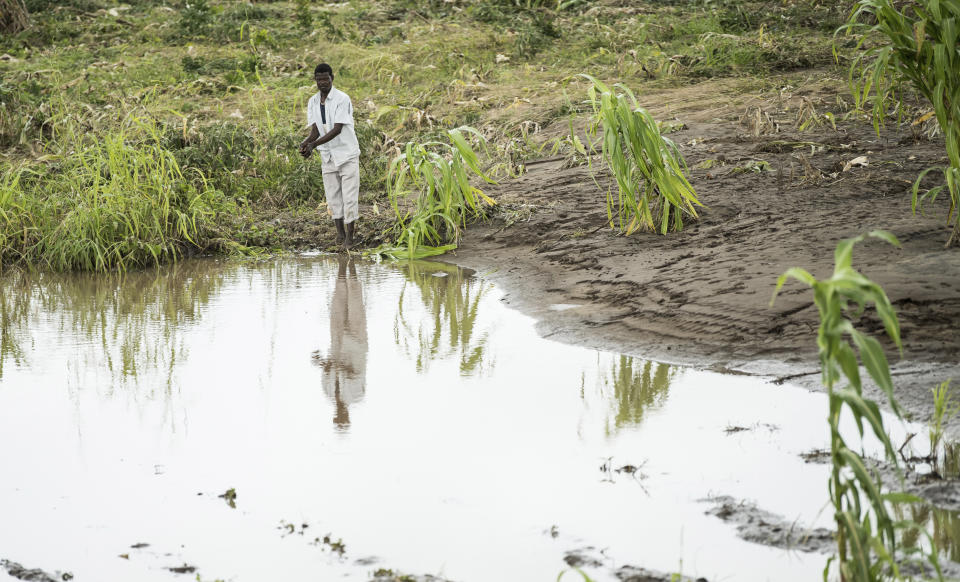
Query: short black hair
323	68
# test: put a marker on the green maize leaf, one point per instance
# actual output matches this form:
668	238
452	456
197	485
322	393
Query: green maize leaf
886	236
848	363
871	353
653	192
868	486
797	273
865	409
843	255
860	553
901	497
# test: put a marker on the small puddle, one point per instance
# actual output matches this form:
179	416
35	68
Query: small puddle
317	418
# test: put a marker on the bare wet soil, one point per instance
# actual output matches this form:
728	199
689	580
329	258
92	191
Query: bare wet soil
775	198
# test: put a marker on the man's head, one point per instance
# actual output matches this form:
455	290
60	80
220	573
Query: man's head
323	75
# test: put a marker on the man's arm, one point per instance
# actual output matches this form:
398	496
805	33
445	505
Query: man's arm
337	128
314	134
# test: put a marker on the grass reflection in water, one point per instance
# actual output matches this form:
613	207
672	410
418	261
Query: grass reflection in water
451	297
942	524
133	317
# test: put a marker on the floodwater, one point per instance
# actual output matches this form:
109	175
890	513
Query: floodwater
370	416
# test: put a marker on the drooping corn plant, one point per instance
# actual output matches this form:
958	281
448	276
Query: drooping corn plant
431	194
922	49
866	538
653	192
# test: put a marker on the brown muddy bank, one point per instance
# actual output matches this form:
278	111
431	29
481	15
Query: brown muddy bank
700	297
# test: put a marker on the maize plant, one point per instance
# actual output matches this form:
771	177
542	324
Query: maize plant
653	193
922	49
434	180
866	539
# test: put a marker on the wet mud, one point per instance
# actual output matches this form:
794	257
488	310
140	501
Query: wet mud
763	527
775	198
591	557
387	575
633	574
21	572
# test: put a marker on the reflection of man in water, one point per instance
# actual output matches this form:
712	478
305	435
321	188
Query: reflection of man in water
345	366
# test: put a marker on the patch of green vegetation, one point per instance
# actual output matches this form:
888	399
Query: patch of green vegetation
118	201
225	83
431	194
918	47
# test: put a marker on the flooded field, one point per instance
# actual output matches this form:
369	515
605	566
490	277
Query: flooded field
315	419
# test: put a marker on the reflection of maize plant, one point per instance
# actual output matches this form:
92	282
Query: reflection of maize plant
866	543
923	50
653	191
436	176
638	386
138	318
452	299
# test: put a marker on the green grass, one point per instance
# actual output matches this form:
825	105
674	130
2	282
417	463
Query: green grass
113	202
226	82
945	407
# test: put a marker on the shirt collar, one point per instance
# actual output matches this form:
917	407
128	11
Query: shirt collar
333	95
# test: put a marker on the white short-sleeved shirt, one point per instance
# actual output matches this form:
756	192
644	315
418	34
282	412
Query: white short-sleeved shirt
338	109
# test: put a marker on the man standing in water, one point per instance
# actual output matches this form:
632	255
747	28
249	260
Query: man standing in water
330	117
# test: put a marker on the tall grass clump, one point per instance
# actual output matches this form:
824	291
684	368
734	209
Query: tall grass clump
431	194
866	540
921	49
654	194
117	200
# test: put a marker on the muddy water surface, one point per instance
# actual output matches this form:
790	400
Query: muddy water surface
370	416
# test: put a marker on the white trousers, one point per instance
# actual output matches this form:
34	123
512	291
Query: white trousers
342	187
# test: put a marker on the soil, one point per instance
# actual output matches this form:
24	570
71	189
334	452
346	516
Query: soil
774	198
591	557
762	527
20	572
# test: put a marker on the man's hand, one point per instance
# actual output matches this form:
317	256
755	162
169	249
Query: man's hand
305	149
